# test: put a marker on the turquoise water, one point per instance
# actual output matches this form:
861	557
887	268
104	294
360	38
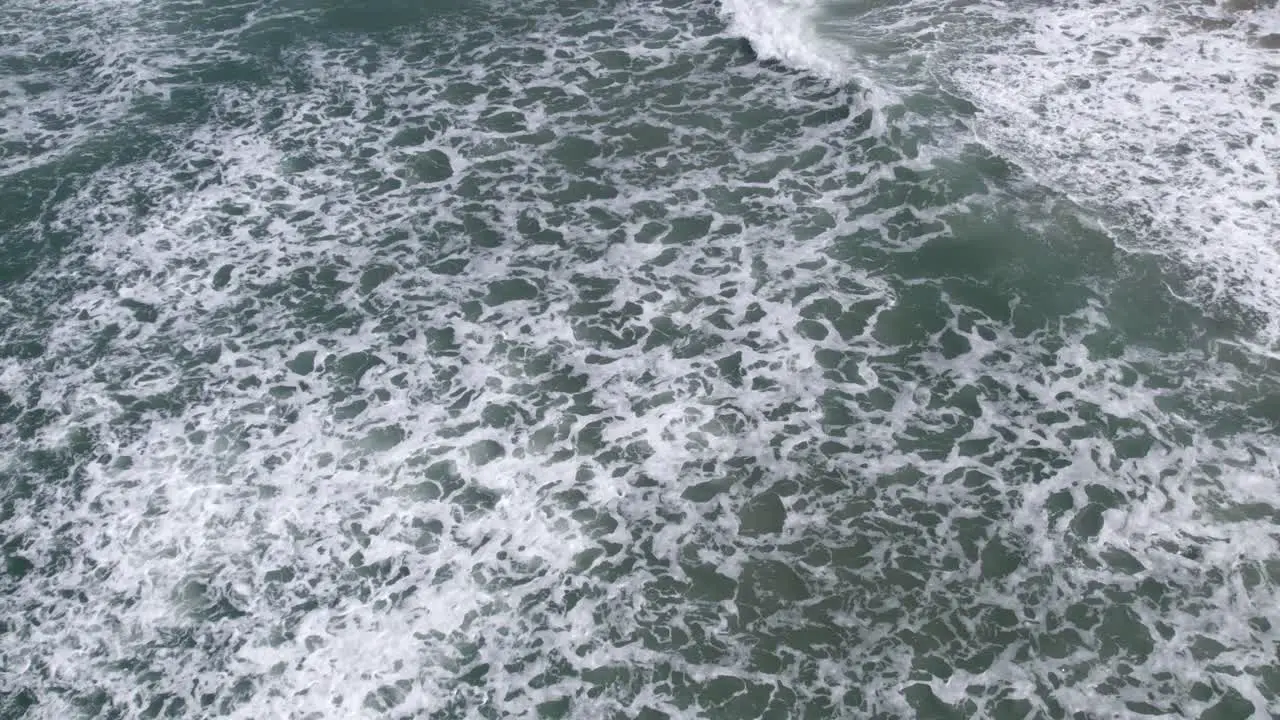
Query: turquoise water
752	359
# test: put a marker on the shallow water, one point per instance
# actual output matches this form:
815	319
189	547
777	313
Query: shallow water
589	360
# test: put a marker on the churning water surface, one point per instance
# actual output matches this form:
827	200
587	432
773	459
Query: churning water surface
621	359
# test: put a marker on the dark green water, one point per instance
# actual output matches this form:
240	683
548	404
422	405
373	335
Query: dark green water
564	359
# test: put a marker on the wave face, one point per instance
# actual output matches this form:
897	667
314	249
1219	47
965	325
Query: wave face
585	360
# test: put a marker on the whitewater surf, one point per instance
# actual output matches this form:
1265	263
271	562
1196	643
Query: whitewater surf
570	359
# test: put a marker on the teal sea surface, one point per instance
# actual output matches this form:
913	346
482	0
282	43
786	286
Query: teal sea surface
617	359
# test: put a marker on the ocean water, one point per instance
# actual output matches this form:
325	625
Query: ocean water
617	359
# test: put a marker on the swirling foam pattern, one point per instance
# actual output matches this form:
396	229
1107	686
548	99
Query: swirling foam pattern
580	359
